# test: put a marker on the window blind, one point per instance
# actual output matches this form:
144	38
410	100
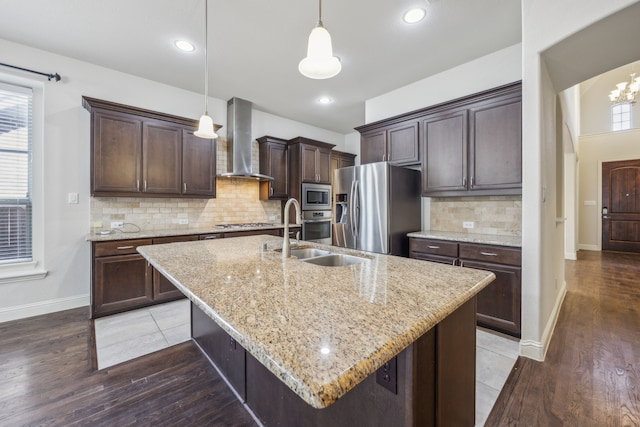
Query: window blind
15	174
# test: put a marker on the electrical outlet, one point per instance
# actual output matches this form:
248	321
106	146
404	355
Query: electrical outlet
468	224
387	375
272	217
117	224
183	221
72	198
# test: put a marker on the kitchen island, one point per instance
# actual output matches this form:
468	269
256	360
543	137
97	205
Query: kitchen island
388	341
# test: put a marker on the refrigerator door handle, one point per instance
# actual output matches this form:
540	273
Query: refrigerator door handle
352	208
357	209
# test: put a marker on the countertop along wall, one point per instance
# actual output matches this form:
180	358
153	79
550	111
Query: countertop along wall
65	156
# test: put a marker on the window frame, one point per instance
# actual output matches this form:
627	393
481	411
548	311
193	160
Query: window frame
35	269
617	121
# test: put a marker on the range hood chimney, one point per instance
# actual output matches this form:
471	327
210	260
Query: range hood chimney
239	140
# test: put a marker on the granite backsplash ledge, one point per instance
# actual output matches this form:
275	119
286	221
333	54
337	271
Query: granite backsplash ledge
497	215
237	201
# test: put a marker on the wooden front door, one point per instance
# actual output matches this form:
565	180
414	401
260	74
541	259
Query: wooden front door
621	206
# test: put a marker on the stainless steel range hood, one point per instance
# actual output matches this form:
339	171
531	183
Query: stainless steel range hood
239	140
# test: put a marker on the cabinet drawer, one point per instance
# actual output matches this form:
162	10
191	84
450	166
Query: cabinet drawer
490	253
174	239
437	247
119	247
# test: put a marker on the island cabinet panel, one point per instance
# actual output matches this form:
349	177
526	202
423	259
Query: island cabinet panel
228	356
274	162
198	165
435	379
163	289
122	279
137	152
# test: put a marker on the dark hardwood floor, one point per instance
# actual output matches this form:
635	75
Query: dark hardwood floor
591	374
46	378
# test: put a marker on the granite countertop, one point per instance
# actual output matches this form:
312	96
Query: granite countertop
321	330
167	232
488	239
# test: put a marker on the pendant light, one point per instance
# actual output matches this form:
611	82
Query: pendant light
205	127
320	62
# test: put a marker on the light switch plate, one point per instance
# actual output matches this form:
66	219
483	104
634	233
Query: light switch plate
183	221
468	224
117	224
72	198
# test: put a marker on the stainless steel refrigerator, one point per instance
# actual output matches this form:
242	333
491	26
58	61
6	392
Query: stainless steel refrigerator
376	205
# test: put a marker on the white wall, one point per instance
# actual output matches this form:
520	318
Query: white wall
66	165
496	69
545	24
595	149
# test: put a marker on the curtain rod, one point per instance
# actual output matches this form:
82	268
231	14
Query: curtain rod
49	77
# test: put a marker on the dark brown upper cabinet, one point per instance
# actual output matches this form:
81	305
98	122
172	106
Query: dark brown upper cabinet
397	144
340	159
309	161
137	152
274	162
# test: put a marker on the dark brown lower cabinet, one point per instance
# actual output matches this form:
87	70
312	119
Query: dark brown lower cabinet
122	279
435	380
499	304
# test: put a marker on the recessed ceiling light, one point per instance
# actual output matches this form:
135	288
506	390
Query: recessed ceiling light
184	46
325	100
414	15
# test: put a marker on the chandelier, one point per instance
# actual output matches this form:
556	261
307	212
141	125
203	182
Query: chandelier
625	92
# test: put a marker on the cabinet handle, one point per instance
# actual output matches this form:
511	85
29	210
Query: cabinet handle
138	184
433	247
121	248
211	237
184	187
472	182
455	261
271	191
488	254
464	181
145	185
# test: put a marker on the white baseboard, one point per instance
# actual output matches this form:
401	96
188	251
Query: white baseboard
43	307
588	247
571	256
537	350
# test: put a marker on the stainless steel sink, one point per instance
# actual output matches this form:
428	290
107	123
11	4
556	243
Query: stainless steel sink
334	260
304	253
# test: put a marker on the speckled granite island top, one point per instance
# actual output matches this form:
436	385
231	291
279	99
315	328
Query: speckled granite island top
321	330
487	239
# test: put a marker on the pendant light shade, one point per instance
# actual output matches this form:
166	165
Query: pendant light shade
205	126
320	62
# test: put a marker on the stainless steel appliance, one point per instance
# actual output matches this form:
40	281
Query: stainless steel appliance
316	197
376	205
316	226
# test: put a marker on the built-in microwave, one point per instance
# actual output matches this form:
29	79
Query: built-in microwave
316	197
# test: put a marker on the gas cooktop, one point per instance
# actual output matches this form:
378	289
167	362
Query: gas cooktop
245	225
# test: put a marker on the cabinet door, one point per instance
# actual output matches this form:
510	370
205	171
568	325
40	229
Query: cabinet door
373	146
402	144
323	165
495	145
198	165
444	153
309	162
116	153
278	168
161	158
120	283
499	303
163	289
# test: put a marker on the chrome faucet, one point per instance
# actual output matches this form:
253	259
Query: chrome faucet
286	244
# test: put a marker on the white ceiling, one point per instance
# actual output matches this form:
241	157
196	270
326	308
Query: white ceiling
255	45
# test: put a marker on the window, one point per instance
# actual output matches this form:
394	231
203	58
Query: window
15	174
621	117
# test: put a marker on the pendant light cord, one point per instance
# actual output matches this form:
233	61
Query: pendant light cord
206	57
320	13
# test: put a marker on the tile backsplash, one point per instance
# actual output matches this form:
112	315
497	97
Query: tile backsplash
237	201
500	215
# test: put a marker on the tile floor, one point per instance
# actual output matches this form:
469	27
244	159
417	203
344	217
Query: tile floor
125	336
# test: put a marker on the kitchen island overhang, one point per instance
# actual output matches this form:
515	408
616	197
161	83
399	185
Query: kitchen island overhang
320	330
